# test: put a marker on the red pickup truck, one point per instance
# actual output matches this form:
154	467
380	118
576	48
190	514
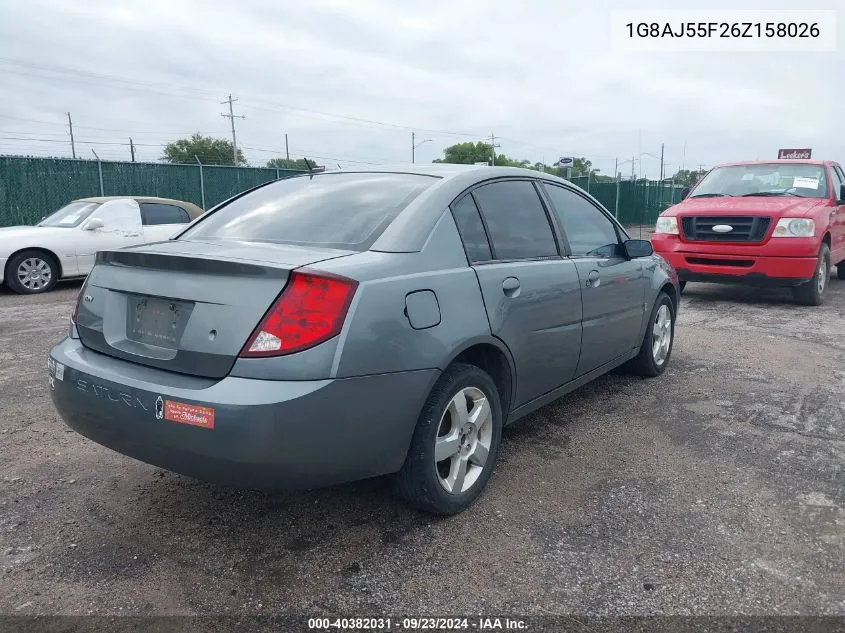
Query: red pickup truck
778	222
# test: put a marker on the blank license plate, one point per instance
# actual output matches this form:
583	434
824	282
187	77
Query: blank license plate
156	322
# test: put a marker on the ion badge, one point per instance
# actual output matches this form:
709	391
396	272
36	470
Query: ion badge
192	414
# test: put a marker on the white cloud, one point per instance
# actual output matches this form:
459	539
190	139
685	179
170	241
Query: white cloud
540	74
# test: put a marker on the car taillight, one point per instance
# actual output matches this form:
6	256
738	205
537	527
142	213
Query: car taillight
75	312
310	311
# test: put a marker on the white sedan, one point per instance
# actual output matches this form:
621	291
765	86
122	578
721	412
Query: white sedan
64	244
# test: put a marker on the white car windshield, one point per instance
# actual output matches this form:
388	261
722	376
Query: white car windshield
769	179
71	215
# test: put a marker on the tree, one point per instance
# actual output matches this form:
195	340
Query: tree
209	150
687	177
470	153
290	163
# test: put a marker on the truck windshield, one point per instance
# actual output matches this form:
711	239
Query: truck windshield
769	179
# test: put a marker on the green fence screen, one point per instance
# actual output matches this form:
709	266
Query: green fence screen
31	188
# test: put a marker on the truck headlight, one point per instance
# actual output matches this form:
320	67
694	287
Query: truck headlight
668	225
794	227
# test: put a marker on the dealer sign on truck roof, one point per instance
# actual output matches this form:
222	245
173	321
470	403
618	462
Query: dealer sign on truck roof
803	154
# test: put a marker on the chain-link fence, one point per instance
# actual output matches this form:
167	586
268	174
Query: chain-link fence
633	202
31	188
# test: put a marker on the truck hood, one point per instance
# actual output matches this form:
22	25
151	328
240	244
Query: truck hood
786	206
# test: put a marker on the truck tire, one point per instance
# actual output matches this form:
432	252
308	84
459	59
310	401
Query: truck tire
812	292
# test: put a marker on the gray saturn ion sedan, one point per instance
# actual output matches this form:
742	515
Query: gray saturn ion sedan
342	325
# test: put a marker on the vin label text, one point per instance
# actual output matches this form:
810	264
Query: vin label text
724	31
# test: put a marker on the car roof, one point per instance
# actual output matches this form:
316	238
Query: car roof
409	231
446	171
785	161
193	210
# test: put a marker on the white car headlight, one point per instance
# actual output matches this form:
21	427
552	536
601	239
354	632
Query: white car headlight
667	225
794	227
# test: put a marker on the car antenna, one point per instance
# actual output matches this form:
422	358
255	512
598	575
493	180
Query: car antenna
310	167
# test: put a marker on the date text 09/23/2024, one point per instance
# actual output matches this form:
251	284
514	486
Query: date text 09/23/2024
417	624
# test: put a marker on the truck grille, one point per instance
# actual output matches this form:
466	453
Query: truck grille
745	228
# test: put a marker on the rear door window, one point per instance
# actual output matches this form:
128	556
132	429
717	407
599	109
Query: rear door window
345	211
516	220
153	213
472	230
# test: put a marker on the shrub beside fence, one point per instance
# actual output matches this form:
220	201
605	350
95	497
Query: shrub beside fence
31	188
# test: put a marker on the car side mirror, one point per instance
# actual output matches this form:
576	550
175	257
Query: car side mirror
684	192
638	248
94	224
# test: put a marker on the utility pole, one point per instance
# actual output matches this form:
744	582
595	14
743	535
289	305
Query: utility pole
661	162
232	116
493	147
633	163
70	126
415	145
287	152
132	149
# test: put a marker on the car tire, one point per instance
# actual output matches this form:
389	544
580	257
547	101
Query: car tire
39	262
812	292
840	270
655	352
456	424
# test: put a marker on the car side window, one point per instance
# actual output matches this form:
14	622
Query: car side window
589	231
516	220
153	213
471	229
837	181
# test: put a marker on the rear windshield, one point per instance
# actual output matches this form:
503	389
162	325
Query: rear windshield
346	211
769	179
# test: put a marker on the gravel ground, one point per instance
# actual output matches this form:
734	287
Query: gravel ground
715	489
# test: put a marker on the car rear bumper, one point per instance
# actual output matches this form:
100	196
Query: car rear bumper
3	262
264	434
697	263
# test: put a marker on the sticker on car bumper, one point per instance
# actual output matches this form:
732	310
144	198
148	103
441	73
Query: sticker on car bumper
184	413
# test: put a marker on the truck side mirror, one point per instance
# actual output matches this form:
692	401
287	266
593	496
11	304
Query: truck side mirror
841	195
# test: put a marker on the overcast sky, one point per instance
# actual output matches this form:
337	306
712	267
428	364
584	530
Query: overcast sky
348	80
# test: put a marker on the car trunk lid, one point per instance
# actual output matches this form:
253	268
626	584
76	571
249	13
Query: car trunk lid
185	306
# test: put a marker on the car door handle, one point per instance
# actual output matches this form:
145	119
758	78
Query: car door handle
593	279
510	286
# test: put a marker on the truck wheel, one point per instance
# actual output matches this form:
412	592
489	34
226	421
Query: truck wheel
681	286
812	292
32	272
455	445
